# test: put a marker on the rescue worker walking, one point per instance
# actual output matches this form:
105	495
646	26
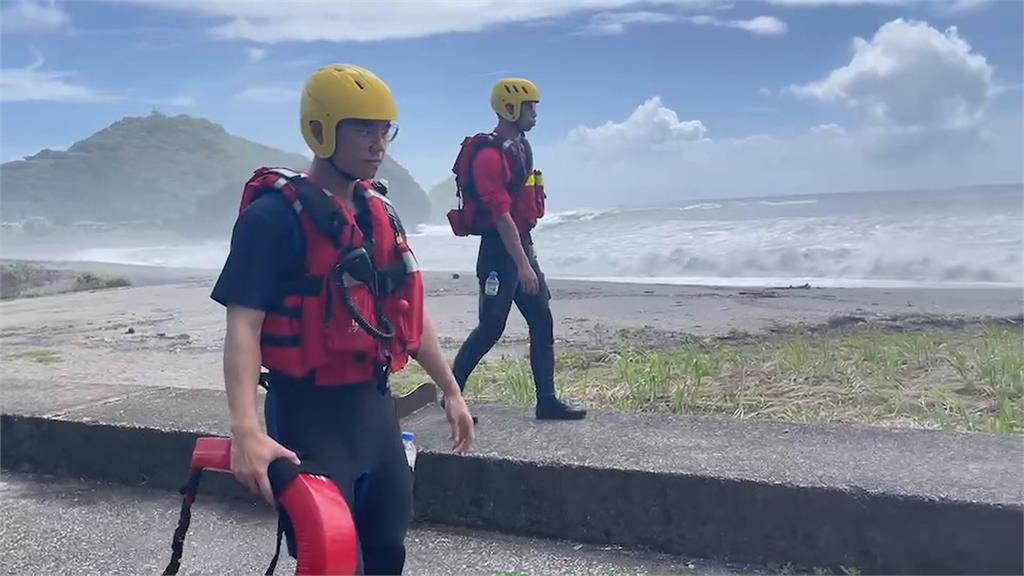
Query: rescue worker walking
322	289
501	199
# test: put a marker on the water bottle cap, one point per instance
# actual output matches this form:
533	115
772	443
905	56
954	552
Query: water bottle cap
493	274
408	436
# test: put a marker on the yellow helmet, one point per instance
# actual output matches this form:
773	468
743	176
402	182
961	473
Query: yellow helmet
512	91
340	91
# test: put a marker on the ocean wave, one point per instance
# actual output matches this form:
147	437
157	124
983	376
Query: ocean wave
432	230
209	255
946	248
702	206
846	263
786	202
570	216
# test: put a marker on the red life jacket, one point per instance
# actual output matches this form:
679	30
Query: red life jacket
312	330
526	187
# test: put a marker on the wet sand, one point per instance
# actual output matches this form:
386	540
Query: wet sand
165	330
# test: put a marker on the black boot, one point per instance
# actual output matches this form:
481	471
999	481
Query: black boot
551	408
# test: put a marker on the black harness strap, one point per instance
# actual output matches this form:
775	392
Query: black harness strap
317	204
521	168
189	491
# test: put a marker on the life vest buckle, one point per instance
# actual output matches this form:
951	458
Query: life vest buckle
357	264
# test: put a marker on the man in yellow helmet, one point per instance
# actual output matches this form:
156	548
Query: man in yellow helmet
502	199
322	289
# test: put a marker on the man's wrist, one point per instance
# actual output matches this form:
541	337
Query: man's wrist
245	428
453	396
451	390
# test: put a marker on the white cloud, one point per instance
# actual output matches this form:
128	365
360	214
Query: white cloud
651	124
763	25
32	16
34	84
644	161
257	54
329	20
829	129
268	95
609	23
816	3
493	74
765	91
946	7
962	6
912	80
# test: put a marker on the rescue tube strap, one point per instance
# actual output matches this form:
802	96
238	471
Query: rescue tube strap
277	548
189	491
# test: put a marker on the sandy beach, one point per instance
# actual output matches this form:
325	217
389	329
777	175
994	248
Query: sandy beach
165	330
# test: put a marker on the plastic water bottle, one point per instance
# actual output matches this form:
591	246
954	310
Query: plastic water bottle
410	448
491	286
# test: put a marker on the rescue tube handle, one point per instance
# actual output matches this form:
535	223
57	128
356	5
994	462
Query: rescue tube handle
212	453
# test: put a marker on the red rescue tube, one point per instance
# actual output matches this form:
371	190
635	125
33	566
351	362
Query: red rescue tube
326	541
325	537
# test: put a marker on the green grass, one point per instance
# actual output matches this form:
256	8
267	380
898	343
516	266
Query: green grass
89	281
969	378
17	278
22	280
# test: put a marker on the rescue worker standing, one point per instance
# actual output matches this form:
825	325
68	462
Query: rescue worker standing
321	289
502	199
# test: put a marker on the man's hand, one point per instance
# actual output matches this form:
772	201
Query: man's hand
251	455
461	422
432	360
528	279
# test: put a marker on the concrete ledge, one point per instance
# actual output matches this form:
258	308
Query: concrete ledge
141	437
739	521
814	496
890	501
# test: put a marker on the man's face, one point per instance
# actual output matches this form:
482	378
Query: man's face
361	144
527	116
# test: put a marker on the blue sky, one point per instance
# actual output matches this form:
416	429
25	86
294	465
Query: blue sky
732	89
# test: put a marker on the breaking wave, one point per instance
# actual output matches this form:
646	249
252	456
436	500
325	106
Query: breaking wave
958	241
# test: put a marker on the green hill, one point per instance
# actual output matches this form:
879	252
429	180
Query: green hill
181	173
442	199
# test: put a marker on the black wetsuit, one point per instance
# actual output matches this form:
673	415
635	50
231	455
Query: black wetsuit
349	432
493	313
